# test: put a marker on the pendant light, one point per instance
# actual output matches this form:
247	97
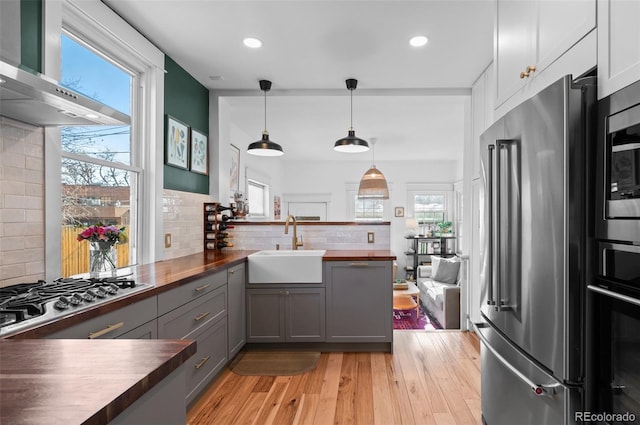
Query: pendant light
373	185
351	143
265	147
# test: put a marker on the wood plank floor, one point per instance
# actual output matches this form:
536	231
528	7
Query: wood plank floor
433	377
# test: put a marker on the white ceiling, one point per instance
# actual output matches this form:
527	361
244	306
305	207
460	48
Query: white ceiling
411	100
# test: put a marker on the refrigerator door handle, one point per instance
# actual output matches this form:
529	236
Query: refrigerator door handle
500	304
490	299
538	389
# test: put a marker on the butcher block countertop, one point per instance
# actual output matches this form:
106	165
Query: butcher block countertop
87	382
169	274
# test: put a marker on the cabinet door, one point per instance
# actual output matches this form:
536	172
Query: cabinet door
473	306
359	301
515	45
236	315
561	24
265	315
305	314
618	45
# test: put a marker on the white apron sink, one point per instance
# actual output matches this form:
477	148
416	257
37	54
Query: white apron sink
286	266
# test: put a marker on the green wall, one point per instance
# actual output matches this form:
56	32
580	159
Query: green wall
31	34
188	101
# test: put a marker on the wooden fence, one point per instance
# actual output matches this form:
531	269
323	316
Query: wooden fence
75	258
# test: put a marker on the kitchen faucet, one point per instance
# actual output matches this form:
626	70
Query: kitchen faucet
294	239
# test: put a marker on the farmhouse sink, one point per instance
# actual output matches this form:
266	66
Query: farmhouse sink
286	266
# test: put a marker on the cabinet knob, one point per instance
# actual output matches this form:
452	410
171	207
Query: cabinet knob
527	72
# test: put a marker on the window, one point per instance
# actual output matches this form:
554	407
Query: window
99	175
369	209
431	204
429	208
258	198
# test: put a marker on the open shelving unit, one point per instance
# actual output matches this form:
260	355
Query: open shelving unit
422	248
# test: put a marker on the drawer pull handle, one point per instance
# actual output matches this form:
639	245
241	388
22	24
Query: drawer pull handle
201	316
202	362
110	328
202	288
232	271
359	264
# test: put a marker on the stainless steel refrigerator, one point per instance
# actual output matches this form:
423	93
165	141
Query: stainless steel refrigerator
536	229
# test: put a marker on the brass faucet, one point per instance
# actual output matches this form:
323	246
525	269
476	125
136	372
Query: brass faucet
294	239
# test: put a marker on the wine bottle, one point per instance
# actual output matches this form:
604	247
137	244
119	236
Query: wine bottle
218	217
219	226
216	208
218	244
212	235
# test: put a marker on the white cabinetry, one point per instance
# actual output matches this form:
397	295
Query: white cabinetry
618	45
532	34
482	113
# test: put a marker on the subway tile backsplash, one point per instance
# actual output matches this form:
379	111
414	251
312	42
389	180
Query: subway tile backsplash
317	236
182	214
21	203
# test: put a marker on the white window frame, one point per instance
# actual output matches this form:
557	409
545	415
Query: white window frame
95	23
265	198
351	191
445	190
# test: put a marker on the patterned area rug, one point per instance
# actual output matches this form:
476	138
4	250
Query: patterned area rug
406	319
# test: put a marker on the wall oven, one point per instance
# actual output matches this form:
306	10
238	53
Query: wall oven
618	166
613	337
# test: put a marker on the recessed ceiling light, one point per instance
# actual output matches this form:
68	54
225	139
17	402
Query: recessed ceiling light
254	43
92	116
418	41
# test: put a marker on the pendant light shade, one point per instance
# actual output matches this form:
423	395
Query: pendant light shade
264	146
373	185
351	143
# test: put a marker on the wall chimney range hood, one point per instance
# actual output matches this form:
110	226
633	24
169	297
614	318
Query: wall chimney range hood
38	100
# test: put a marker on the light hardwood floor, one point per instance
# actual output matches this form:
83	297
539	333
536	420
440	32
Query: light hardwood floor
433	377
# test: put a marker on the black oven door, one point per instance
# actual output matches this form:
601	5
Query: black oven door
613	358
613	336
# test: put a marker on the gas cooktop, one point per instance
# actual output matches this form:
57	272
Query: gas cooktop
25	305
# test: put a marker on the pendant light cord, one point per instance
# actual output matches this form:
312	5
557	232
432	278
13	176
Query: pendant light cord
351	127
265	111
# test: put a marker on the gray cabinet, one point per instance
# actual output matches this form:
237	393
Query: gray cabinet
198	311
286	314
147	331
359	301
114	324
236	315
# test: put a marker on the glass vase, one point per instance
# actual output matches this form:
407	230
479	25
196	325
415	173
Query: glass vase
103	259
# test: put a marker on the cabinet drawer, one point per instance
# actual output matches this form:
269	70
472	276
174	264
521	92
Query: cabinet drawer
113	324
199	313
147	331
210	358
183	294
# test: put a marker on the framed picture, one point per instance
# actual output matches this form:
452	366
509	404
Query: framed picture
276	207
399	211
234	172
177	143
199	152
